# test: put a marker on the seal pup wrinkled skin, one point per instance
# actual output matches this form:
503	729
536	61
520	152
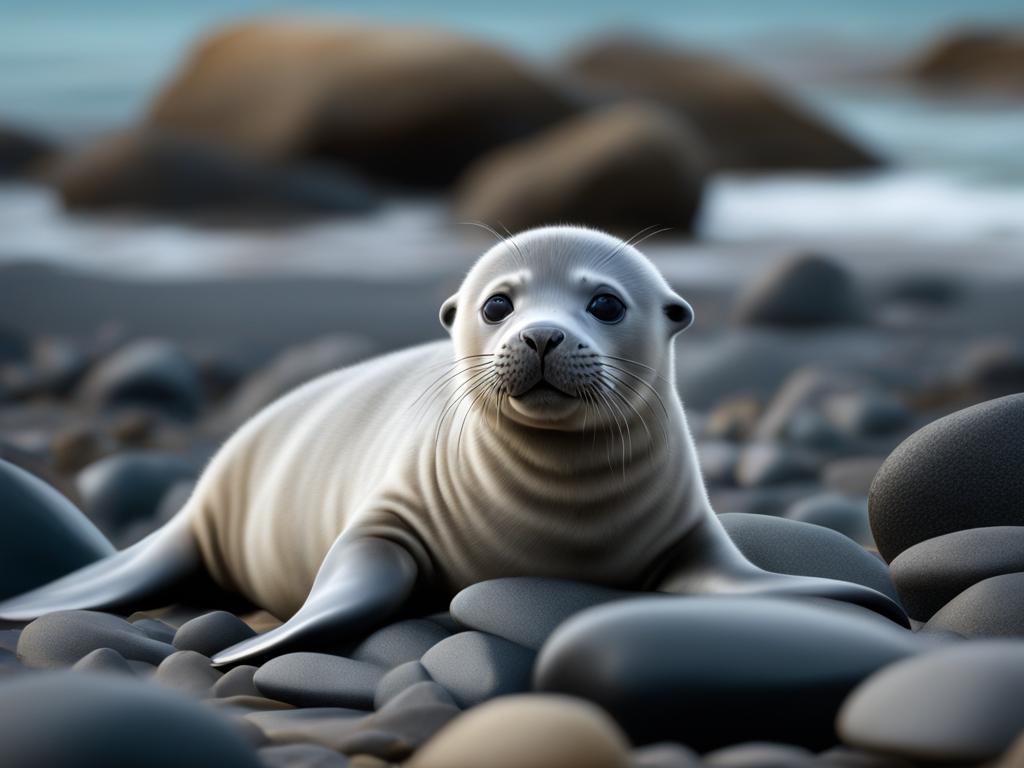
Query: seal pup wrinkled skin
546	438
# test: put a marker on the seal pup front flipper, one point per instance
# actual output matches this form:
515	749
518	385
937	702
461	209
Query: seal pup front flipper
146	569
708	562
361	582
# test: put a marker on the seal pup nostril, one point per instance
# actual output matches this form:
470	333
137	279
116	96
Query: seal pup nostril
542	339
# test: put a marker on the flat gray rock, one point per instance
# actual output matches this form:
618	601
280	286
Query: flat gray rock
713	671
212	632
963	471
802	549
83	720
991	608
475	667
319	680
397	680
957	704
42	535
526	609
60	639
188	672
930	574
400	642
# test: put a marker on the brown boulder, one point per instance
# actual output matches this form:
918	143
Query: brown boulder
157	171
745	121
405	104
622	168
988	60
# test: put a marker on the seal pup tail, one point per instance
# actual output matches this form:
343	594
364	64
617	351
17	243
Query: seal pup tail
146	569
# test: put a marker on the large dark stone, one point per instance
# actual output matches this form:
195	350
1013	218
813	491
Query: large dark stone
963	471
712	671
956	705
42	535
930	574
804	549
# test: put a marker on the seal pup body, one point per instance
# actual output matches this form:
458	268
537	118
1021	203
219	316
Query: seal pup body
545	439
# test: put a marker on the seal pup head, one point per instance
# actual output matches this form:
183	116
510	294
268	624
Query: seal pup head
566	324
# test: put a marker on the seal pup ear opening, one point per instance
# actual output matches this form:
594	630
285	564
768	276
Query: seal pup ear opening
679	313
447	313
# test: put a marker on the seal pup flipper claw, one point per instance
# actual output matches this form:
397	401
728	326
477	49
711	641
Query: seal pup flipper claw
708	562
147	568
361	582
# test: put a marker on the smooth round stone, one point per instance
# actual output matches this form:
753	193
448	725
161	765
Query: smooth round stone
930	574
963	471
212	632
665	754
759	755
104	660
838	512
62	638
527	609
528	731
127	487
79	720
400	642
961	703
236	682
156	629
713	671
772	463
844	757
188	672
319	680
301	756
397	680
150	372
42	535
802	549
475	667
991	608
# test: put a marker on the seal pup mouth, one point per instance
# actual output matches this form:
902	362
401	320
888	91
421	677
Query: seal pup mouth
542	391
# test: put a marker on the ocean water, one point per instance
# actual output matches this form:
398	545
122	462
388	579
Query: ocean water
956	165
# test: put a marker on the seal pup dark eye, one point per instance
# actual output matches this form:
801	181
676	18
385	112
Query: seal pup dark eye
607	308
497	308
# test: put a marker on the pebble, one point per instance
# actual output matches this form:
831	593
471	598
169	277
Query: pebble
802	549
127	487
400	642
528	731
42	535
150	372
237	681
103	660
188	672
930	574
156	629
75	447
959	704
837	512
713	671
759	755
475	667
301	756
991	608
527	609
211	632
82	720
773	463
844	757
963	471
397	680
867	413
319	680
665	754
62	638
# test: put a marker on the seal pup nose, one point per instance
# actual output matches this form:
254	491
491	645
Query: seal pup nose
542	339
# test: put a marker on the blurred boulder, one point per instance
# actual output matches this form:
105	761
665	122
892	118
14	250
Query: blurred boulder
978	59
746	122
160	171
76	446
406	104
21	151
148	372
621	168
991	369
803	290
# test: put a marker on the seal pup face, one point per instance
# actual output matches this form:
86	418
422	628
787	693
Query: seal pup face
567	325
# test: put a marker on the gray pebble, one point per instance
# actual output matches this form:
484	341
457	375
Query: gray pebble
773	463
665	754
62	638
188	672
236	682
105	660
991	608
400	642
397	680
212	632
319	680
156	629
475	667
838	512
759	755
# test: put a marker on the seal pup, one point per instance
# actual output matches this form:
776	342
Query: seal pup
546	438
